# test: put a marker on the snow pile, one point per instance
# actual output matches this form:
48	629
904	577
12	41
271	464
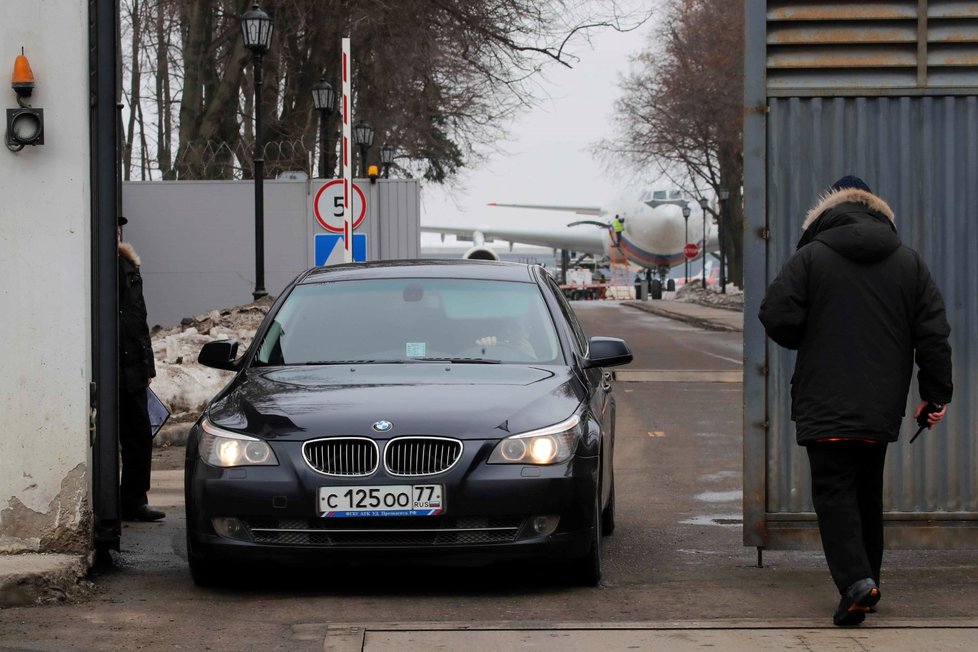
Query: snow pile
711	296
182	384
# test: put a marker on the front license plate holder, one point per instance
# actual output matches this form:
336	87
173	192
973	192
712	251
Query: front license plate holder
369	501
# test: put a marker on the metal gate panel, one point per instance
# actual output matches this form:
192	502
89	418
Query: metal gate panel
867	47
917	147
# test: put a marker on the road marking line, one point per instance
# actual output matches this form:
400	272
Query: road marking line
679	376
657	433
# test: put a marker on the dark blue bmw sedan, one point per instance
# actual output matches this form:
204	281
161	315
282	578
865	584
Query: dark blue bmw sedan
408	409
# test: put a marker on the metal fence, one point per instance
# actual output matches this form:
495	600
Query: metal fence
917	146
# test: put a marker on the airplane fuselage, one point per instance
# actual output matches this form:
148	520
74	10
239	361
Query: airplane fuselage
654	237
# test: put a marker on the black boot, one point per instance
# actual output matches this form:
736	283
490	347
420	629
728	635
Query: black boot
143	513
859	598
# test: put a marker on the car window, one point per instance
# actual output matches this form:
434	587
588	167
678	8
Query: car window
407	320
580	339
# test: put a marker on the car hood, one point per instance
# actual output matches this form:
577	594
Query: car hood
466	401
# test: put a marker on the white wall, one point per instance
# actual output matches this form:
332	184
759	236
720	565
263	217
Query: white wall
45	321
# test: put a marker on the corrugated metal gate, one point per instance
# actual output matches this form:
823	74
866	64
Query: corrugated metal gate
887	91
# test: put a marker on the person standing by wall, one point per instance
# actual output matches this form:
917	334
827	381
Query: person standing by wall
860	308
136	371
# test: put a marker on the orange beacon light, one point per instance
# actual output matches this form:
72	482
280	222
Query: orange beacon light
23	79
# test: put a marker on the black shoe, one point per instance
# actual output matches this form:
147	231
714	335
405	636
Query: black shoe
858	599
143	513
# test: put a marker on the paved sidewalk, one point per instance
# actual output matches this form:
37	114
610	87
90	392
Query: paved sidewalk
36	578
717	319
733	636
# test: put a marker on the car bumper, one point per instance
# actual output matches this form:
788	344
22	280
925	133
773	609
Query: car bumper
489	513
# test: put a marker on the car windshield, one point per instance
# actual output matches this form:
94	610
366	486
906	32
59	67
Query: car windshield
412	320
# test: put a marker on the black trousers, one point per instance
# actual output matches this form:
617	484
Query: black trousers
136	441
847	491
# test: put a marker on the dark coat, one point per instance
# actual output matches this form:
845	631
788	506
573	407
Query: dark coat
136	364
860	308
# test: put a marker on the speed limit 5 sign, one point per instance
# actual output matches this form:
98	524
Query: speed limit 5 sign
328	206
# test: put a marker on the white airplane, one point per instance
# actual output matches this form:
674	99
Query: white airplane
653	237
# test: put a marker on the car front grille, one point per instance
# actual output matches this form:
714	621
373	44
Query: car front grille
342	456
420	456
446	532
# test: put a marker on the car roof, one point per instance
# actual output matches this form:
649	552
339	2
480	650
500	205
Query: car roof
422	268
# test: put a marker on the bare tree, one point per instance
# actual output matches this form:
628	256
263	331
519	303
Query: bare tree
434	77
681	110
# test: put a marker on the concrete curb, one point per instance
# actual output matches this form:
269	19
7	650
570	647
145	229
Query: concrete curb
703	322
30	579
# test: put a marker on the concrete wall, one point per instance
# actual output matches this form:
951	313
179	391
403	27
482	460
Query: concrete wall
196	239
45	287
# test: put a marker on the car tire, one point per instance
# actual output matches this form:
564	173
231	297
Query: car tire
608	513
587	569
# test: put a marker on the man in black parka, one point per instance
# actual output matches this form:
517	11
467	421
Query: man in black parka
136	371
860	308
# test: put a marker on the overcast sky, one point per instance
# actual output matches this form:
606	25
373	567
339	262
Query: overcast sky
548	159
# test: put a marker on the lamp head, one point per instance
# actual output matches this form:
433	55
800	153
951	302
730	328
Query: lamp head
363	134
387	154
256	28
323	96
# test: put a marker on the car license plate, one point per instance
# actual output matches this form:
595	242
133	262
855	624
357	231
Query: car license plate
394	500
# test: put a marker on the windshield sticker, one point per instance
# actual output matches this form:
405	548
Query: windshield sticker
415	349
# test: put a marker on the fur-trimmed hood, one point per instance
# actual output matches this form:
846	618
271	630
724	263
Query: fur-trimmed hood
126	251
834	198
855	223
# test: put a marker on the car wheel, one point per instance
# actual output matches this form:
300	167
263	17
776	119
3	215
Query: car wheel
608	514
587	569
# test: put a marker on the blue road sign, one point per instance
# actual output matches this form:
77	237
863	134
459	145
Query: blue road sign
325	243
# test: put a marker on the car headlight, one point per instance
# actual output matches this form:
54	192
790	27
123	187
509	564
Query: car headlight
224	448
551	445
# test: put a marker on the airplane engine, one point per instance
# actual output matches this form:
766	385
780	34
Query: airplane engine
480	253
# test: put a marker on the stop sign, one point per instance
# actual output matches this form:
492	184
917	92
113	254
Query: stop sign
691	250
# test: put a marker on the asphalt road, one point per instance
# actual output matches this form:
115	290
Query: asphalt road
677	554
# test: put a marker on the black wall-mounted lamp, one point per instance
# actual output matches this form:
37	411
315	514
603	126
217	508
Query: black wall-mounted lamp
25	125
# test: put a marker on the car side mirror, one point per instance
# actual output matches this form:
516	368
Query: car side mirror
219	355
606	352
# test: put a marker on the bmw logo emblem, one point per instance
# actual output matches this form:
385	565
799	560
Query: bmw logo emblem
382	426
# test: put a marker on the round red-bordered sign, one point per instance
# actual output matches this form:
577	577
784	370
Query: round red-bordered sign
324	222
691	250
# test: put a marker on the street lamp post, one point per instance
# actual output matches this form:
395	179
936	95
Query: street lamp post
686	218
387	159
363	135
323	98
724	196
256	27
703	206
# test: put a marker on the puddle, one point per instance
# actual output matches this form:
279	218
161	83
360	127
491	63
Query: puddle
721	520
720	475
720	496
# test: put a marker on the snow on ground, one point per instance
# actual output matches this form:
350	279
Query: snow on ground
184	386
694	293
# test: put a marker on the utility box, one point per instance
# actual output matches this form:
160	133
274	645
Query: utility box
887	91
